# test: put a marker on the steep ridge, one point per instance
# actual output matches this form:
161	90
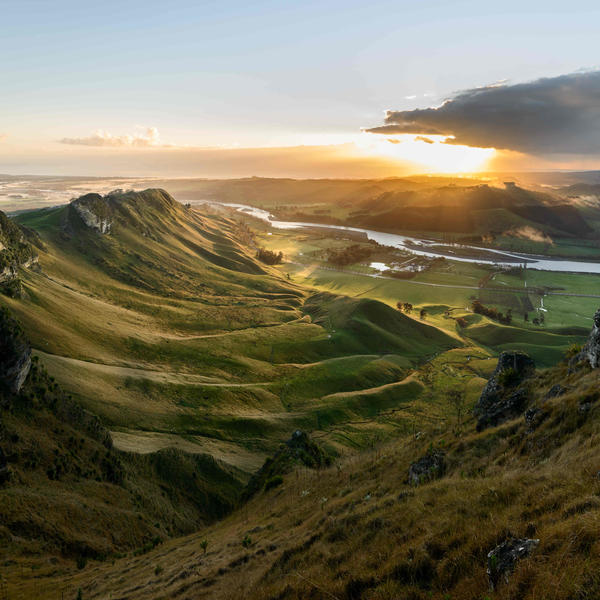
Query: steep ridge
66	491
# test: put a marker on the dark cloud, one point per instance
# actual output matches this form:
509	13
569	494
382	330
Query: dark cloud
552	115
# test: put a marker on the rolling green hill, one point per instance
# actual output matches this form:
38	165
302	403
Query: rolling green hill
435	205
362	529
159	319
168	363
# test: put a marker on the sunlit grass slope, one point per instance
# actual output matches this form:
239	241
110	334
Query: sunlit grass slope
168	326
359	530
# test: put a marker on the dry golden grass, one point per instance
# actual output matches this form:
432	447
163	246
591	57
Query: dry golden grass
357	530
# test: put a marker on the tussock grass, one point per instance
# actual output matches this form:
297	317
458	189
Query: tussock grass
358	530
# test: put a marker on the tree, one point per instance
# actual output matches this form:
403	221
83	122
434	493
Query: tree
204	545
400	306
422	314
408	307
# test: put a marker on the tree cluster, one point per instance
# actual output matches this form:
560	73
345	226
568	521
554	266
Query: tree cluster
492	313
348	256
406	307
269	257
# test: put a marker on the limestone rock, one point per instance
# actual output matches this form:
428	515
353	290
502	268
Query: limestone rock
427	468
299	450
503	558
94	211
501	398
555	391
591	351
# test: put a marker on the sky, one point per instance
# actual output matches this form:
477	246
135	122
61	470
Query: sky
348	88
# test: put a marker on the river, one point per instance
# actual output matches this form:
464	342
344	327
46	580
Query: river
425	247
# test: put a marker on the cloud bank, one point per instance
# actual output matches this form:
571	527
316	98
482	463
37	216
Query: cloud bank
557	115
150	138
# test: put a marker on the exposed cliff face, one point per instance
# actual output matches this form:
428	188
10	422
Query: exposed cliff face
94	211
100	213
15	354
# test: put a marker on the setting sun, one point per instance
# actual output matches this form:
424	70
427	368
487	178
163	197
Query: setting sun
432	152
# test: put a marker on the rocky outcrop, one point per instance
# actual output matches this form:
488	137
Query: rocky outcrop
555	391
591	351
94	211
16	252
501	561
427	468
502	398
299	450
15	354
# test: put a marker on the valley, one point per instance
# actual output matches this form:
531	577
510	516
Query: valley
159	318
299	301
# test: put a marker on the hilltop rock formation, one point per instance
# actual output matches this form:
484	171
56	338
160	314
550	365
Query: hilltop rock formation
427	468
503	558
94	211
299	450
501	398
101	213
15	354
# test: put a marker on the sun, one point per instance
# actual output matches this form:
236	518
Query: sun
433	152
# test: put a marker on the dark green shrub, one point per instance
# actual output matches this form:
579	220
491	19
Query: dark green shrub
273	482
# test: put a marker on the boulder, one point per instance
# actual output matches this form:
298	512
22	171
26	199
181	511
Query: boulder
298	451
427	468
555	391
534	417
502	398
591	351
502	559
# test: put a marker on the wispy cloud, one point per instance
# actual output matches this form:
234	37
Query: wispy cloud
552	115
149	138
3	136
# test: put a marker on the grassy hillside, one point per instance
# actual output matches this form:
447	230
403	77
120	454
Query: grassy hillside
360	530
66	491
169	329
199	361
433	205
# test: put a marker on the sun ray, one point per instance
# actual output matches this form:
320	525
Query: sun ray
433	152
